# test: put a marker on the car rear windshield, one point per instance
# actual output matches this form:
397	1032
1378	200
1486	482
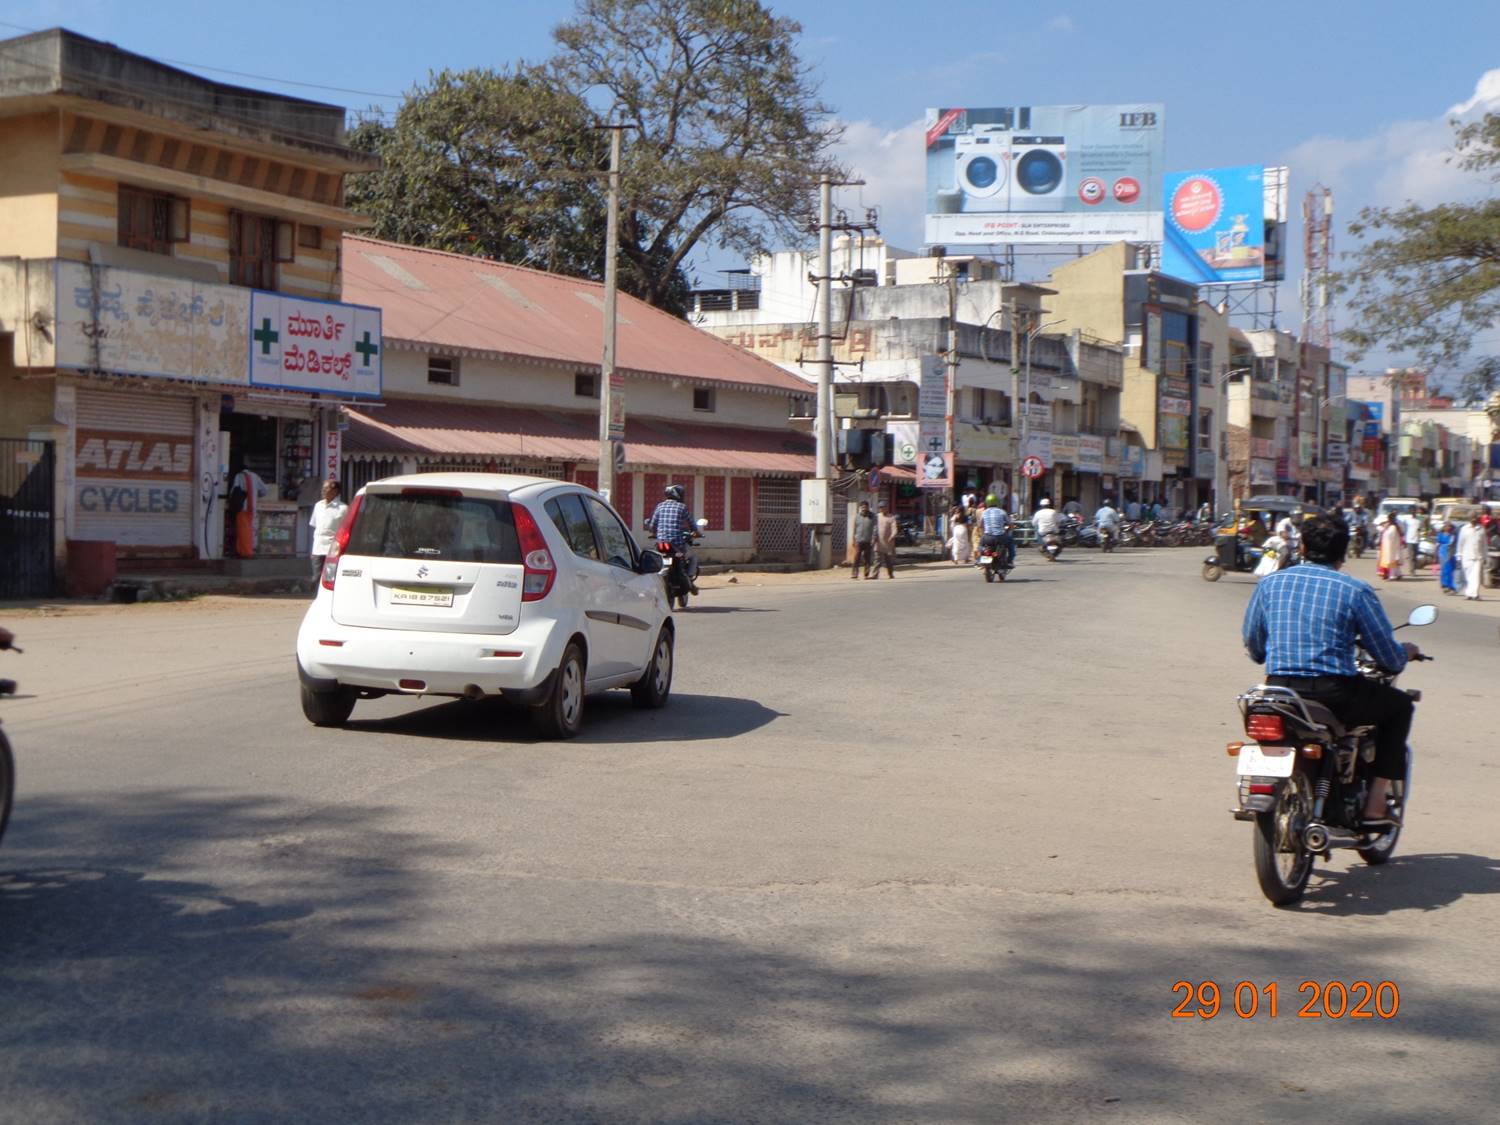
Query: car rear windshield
435	525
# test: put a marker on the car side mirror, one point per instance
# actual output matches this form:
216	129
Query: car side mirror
1422	615
649	562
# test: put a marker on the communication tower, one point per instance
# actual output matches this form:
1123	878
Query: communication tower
1317	259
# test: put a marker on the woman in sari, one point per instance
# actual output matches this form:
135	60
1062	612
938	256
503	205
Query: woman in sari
1392	548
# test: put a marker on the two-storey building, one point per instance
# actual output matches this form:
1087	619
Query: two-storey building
170	270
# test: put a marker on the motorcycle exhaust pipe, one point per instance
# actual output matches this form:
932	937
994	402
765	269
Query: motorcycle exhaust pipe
1315	838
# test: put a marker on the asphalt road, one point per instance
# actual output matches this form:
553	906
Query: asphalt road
922	850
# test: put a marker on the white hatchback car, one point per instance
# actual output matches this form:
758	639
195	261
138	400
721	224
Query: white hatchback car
476	584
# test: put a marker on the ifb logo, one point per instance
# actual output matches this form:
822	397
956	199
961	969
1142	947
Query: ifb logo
1137	121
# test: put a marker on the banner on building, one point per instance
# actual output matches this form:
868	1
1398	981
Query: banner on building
134	323
1090	454
303	344
1214	229
932	394
935	470
903	438
1044	174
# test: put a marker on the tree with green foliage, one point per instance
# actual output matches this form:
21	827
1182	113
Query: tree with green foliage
726	138
1426	280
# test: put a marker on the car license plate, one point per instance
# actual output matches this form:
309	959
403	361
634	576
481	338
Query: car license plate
421	595
1266	761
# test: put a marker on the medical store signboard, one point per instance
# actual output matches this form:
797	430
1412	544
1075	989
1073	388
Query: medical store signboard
303	344
1044	174
1215	230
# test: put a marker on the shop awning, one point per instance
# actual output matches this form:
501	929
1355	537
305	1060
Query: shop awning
462	430
897	472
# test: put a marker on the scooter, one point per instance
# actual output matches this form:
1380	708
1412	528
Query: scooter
1051	545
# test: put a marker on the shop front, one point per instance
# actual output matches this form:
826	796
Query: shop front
164	391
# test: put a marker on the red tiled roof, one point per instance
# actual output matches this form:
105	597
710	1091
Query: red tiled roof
445	429
452	300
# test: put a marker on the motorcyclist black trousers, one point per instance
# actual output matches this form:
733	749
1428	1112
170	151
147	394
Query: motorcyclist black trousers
1362	702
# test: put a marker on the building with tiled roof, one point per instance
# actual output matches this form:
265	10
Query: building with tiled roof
493	366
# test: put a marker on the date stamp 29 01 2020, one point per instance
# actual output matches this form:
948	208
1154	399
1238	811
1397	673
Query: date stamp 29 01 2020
1334	1000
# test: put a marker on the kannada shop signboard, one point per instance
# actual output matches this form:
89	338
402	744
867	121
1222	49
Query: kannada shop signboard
133	323
1044	174
1215	229
298	343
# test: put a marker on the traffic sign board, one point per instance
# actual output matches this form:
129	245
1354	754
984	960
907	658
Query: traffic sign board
1032	467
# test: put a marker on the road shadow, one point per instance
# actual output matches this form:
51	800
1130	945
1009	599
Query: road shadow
609	717
1421	882
359	971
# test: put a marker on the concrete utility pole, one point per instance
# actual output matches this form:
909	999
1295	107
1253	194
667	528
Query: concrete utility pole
823	533
950	389
607	435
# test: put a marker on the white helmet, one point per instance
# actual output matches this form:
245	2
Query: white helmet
1044	502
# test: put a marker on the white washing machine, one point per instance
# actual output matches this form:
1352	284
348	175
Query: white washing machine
983	167
1038	173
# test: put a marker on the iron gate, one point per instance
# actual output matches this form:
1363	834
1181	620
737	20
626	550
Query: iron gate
27	470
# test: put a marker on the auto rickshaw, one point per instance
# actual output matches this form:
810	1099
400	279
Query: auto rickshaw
1237	541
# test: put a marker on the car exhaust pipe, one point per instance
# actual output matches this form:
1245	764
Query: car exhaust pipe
473	691
1315	838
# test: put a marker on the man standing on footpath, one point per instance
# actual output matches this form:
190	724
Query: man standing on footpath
886	528
1471	556
864	541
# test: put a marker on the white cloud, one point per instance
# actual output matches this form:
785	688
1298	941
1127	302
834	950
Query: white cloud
1061	23
891	163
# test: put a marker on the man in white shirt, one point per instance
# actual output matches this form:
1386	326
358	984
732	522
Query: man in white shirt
327	514
1045	520
1411	534
1471	555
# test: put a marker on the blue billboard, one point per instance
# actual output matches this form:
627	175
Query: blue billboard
1214	230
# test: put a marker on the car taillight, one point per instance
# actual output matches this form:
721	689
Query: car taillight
1265	728
340	541
540	571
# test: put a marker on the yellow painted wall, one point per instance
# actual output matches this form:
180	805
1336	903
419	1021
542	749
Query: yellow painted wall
28	186
23	402
1090	294
1138	400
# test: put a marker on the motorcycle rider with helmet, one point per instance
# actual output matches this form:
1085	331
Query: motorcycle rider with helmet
1045	520
994	530
1107	520
672	523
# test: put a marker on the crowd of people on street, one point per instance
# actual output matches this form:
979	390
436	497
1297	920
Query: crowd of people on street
1460	551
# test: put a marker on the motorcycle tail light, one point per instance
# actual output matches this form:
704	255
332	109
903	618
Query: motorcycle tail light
1265	728
1262	789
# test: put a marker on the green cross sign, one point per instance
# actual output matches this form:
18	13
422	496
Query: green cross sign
265	336
367	349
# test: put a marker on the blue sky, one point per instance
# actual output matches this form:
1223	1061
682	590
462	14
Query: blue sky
1354	93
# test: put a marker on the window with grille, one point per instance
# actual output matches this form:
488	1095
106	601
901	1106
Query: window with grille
442	370
713	503
151	221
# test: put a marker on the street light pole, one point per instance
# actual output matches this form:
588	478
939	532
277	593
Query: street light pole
607	435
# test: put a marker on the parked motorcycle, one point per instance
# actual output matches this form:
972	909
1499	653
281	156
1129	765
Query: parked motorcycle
679	568
1304	778
7	760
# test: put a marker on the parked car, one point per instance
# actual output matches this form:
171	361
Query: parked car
481	584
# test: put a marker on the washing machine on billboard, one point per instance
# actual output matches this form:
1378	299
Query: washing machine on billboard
983	167
1038	173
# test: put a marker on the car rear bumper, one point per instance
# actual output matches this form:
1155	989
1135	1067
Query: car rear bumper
517	664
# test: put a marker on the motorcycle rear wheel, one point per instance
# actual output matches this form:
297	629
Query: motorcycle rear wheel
1282	864
989	575
1383	847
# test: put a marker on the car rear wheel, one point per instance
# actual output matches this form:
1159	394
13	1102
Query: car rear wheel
652	689
561	715
328	708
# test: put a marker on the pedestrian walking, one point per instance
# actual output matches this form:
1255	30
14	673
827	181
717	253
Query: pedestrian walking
886	528
1392	550
1471	544
1411	532
327	514
959	542
1447	545
864	541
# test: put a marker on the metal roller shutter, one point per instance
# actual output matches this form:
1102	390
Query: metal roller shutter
133	470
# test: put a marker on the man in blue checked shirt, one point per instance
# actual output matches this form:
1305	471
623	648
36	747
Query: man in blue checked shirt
994	529
1303	624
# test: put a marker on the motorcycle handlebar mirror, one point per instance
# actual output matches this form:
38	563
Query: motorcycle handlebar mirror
1422	615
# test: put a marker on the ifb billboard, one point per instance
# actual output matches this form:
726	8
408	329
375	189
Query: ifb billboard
1215	227
1044	174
